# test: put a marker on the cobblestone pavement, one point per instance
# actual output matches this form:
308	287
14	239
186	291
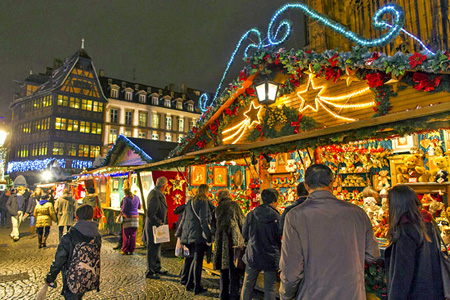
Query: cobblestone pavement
23	267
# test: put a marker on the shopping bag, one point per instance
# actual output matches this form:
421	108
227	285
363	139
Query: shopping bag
42	294
239	252
179	249
119	219
161	234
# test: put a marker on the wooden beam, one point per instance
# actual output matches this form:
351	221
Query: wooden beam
387	119
144	201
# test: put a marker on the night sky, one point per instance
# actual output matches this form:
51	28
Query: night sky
164	41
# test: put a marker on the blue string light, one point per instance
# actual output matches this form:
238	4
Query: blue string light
416	39
32	165
378	22
204	99
81	164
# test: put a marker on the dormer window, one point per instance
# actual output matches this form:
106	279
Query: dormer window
179	105
142	98
155	100
129	96
114	93
167	103
190	107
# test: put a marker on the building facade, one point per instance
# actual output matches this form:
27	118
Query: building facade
142	111
58	117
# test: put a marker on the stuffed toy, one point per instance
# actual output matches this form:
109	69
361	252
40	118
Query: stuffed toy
291	166
441	170
408	169
383	180
424	174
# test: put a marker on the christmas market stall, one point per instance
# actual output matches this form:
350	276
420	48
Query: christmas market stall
116	173
376	120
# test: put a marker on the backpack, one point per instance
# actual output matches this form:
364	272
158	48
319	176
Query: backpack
83	271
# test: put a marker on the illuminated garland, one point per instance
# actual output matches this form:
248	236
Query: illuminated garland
81	164
133	146
32	165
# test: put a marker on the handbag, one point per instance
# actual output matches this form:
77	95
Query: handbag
97	210
161	234
198	217
444	260
238	261
42	293
119	219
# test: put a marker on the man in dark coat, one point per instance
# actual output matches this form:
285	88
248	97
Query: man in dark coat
4	215
262	233
325	244
156	216
16	206
302	194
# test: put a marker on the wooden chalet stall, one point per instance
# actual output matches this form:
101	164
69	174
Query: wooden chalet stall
374	119
116	173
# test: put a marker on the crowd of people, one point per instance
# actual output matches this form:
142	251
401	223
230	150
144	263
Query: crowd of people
317	248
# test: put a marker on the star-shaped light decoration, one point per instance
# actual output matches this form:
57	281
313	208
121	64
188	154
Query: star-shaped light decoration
252	116
177	198
177	183
395	81
167	190
350	76
310	94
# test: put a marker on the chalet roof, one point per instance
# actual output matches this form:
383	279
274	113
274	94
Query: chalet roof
148	150
37	78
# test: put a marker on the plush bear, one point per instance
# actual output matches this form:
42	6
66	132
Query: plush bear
383	180
424	174
441	170
408	169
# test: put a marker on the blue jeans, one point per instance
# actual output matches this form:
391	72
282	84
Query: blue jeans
32	220
250	278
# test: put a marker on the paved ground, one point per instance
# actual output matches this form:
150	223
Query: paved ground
23	267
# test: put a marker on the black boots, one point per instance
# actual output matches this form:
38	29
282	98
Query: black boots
40	240
44	240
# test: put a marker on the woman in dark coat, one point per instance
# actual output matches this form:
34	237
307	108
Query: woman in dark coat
229	223
412	258
196	235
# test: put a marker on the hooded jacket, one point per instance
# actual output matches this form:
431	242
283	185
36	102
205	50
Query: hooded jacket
13	207
91	199
82	231
65	208
262	234
44	214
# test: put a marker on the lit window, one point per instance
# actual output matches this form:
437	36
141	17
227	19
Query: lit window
100	107
95	106
112	136
114	115
62	101
168	122
60	124
179	105
129	96
192	124
72	125
191	107
142	98
180	124
72	149
142	119
155	121
142	135
85	127
155	136
168	138
127	133
128	117
167	103
155	100
95	151
114	93
180	138
74	102
58	148
83	150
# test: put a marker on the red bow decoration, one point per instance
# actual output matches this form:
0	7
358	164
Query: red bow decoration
374	79
416	59
242	76
260	129
230	112
214	126
297	124
331	73
423	82
376	55
250	91
334	60
201	144
194	129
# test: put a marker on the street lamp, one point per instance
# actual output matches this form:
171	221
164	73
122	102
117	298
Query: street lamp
3	135
267	92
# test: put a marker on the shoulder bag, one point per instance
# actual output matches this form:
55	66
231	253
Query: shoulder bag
444	260
198	217
97	210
